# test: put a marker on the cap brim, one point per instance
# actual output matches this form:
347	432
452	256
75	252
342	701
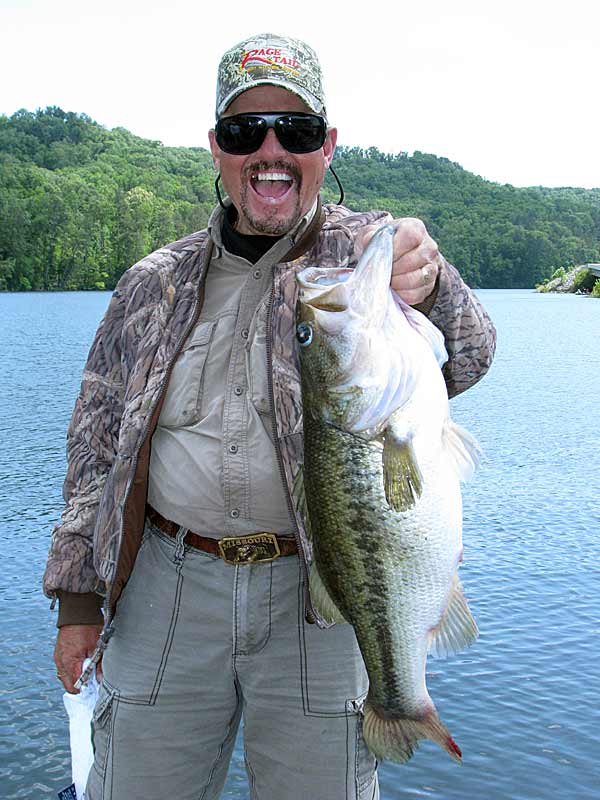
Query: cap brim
307	97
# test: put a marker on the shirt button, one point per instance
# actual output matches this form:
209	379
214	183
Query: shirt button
233	448
256	274
245	333
235	512
238	390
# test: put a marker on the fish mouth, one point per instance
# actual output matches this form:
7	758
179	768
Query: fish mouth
362	290
325	289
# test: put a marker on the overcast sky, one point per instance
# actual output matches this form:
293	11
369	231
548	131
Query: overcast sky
510	90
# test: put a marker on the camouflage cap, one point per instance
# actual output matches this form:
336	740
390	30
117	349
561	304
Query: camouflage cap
275	60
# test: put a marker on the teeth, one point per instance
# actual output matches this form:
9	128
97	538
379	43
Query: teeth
273	176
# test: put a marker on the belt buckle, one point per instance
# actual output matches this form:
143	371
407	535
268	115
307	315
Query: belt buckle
254	549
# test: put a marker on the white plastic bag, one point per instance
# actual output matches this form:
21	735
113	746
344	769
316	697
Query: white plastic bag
80	708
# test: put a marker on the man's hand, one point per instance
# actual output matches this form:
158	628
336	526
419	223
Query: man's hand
75	643
417	259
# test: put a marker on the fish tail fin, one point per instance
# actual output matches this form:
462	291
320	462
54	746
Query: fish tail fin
396	739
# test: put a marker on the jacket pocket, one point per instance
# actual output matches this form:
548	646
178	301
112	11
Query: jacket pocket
183	401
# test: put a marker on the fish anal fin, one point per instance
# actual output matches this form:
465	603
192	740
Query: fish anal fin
396	739
456	629
321	599
402	478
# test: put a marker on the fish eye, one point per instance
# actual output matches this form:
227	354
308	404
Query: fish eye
304	334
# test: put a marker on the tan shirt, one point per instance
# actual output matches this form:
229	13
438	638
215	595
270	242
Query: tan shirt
213	465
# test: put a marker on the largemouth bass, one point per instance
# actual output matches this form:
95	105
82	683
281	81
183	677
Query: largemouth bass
382	468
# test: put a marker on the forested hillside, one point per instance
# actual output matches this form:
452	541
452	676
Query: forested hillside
79	204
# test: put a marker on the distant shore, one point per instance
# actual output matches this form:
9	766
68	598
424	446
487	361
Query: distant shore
574	280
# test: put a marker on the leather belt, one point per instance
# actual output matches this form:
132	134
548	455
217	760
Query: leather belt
252	549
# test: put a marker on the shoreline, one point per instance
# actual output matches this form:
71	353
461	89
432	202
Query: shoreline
580	280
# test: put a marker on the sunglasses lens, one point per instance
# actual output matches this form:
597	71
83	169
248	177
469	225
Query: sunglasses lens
301	133
240	135
244	133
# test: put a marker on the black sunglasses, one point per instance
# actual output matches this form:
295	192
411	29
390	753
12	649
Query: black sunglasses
297	132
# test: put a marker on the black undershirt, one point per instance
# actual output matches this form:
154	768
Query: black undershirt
249	246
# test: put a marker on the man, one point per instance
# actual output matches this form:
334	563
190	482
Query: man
184	447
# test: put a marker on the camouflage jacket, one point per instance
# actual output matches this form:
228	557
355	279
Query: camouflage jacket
151	313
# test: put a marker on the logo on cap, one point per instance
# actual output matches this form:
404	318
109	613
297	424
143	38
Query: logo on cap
272	57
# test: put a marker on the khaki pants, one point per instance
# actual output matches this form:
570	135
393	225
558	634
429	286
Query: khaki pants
199	645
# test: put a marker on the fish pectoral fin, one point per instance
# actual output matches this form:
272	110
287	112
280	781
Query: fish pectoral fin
457	629
462	449
402	479
321	599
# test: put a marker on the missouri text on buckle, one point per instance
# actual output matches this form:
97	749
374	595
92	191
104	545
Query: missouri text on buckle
249	549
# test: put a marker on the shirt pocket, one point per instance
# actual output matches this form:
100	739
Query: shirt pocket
183	401
256	360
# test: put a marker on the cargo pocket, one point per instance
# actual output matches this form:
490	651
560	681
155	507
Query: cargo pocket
332	668
183	401
365	763
102	733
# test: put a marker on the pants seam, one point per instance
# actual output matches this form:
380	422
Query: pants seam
114	711
235	612
348	776
169	642
251	776
256	651
215	765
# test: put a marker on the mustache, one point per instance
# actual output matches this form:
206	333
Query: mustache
273	166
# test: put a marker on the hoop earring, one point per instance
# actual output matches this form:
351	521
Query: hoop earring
339	183
219	198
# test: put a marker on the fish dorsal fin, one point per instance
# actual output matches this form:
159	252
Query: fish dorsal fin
462	449
321	599
457	629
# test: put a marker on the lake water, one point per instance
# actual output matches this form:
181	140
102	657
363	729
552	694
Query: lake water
523	702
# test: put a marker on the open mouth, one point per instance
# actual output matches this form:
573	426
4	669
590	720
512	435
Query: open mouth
271	185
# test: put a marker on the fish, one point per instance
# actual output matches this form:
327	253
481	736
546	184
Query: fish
383	463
